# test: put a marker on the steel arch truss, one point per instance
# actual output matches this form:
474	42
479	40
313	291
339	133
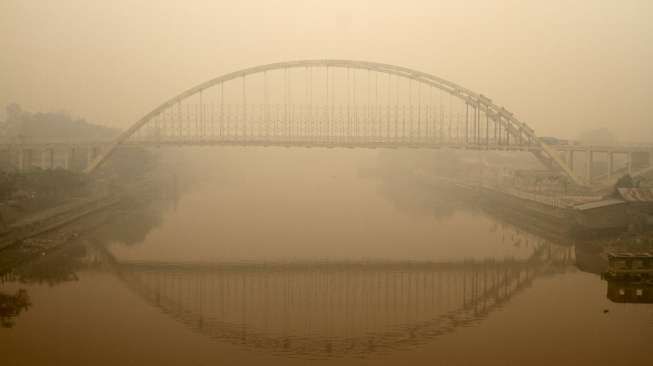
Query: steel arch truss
333	107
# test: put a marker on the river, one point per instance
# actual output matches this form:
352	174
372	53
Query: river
285	256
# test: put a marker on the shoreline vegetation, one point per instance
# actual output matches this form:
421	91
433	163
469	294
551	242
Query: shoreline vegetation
43	209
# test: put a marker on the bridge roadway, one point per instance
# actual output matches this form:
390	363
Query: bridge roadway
617	161
342	103
333	309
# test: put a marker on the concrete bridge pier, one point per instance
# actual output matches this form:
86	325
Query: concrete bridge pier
590	162
68	158
47	159
24	159
50	156
570	159
21	160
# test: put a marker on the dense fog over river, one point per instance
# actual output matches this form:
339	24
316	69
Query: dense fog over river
310	204
272	256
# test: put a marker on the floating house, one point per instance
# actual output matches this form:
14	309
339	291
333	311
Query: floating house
630	277
629	266
630	292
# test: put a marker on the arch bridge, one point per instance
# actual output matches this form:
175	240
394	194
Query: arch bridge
334	309
334	103
345	103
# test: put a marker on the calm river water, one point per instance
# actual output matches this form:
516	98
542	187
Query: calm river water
285	256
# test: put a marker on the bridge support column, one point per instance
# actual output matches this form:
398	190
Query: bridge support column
590	161
47	159
44	159
68	158
570	159
630	162
21	160
610	164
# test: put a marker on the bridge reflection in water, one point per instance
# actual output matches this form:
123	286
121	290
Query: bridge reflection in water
329	309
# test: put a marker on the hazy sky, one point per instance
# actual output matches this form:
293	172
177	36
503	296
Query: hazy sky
561	66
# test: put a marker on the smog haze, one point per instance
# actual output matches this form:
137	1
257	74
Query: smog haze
561	66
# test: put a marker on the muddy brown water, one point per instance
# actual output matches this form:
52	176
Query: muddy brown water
291	257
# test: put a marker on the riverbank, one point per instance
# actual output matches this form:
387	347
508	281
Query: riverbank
551	221
55	217
570	217
556	222
69	229
53	228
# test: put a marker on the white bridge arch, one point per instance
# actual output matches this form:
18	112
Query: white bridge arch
336	110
